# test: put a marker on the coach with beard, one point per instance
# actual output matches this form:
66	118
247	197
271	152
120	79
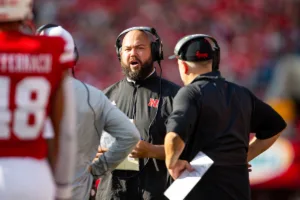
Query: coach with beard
146	99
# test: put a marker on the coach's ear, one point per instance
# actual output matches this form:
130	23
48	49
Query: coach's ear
186	67
183	67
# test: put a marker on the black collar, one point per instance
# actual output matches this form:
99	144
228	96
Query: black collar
209	76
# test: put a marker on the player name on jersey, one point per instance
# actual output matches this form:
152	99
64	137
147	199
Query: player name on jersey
25	63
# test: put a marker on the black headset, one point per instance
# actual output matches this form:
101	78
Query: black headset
46	26
187	39
156	46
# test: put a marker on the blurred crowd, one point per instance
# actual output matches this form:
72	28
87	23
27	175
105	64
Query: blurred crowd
253	34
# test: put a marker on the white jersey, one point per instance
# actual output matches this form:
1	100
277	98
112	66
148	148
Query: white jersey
90	124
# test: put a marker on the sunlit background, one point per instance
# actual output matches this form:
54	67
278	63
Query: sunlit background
260	46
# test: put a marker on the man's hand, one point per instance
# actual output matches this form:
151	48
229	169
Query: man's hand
141	150
179	167
99	153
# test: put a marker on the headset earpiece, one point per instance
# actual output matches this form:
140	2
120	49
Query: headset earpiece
154	51
118	50
76	53
217	58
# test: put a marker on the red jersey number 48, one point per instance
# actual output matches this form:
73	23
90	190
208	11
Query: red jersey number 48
30	100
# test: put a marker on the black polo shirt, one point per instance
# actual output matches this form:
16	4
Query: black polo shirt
140	101
216	116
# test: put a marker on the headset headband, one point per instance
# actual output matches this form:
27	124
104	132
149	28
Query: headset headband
46	26
141	28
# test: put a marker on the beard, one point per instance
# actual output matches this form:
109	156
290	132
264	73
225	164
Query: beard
140	74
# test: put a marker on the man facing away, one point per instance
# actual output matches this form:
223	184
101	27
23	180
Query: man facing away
215	116
95	113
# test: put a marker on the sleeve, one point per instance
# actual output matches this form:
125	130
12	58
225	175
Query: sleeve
65	166
184	115
265	121
67	57
126	135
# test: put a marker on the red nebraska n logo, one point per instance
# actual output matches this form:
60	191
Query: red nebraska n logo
201	55
153	103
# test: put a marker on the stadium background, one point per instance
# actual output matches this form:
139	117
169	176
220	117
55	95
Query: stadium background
254	36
